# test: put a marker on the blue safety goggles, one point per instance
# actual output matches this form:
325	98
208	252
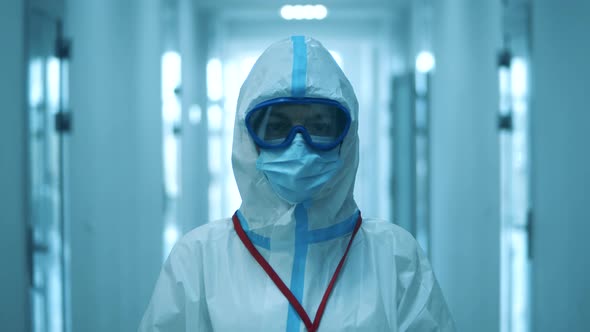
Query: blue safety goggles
323	123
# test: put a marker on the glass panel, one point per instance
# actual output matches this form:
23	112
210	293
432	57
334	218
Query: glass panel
519	167
411	151
45	97
515	271
171	66
224	79
422	159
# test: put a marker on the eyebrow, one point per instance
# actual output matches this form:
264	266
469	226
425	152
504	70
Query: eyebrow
275	115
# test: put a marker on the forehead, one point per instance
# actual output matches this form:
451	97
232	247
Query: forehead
302	110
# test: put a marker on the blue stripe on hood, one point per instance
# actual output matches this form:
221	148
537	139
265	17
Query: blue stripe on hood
299	75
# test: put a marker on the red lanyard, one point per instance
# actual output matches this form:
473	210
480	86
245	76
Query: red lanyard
311	327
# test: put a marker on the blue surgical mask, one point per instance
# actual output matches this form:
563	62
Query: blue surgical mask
298	172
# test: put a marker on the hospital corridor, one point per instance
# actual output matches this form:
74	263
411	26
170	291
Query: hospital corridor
275	165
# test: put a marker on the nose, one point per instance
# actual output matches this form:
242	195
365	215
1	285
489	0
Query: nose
299	138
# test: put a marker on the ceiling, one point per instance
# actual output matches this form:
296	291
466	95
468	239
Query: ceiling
278	3
269	9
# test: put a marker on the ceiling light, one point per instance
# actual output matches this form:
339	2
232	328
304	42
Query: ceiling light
287	12
304	12
425	62
321	12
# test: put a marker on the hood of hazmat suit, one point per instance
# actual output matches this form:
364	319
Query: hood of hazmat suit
211	282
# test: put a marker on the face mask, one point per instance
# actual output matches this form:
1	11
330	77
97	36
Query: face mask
298	172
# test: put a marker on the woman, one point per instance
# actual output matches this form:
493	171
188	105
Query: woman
297	254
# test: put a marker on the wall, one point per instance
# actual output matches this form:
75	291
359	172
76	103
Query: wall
115	168
14	277
561	165
193	44
465	220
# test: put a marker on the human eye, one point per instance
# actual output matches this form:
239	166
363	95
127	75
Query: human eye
277	128
320	127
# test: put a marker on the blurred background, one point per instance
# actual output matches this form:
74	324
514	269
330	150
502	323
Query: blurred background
116	127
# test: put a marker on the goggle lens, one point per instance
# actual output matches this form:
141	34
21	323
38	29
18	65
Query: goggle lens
322	124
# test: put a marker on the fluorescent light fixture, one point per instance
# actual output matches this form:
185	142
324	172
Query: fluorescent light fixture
518	77
171	75
308	12
304	12
425	62
321	12
35	82
171	79
287	12
53	75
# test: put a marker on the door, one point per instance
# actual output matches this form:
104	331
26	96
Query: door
47	124
560	131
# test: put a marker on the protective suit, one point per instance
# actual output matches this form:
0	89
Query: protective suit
212	281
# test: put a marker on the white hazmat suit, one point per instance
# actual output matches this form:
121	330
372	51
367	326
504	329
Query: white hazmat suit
211	282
